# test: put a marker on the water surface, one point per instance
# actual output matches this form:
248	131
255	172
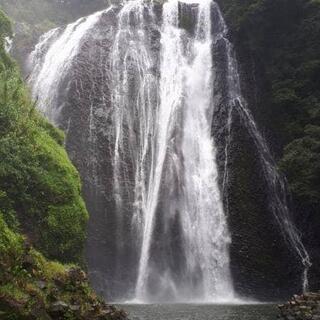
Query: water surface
201	312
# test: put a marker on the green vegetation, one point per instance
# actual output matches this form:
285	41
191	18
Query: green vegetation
40	190
40	197
38	184
301	162
31	287
282	38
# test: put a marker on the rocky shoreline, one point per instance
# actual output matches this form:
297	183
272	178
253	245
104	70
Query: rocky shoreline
301	307
66	296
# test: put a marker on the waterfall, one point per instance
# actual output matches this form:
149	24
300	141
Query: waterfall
135	88
185	100
134	100
173	143
57	51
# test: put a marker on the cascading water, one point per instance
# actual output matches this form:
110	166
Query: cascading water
134	100
136	89
162	154
185	100
57	61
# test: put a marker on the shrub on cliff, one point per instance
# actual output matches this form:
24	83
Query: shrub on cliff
40	197
40	190
301	162
31	287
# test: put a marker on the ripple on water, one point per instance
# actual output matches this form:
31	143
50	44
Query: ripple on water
201	312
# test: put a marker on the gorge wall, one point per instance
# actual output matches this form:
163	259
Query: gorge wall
100	80
278	54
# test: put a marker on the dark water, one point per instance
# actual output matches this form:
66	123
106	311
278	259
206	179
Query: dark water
201	312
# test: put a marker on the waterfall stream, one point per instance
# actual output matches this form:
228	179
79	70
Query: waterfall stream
149	112
189	153
173	148
56	62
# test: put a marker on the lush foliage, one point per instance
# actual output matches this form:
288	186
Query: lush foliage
282	37
40	189
40	197
301	162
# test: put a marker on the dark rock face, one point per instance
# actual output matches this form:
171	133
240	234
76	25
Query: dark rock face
263	264
90	149
254	57
261	261
188	16
86	116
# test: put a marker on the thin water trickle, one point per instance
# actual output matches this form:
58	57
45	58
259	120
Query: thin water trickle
276	183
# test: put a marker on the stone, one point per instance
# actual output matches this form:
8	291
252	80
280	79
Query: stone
76	275
74	308
304	307
59	307
41	284
27	262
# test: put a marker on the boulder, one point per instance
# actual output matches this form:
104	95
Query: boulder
58	308
76	275
303	307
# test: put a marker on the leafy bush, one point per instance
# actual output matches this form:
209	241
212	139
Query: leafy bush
301	163
39	187
32	287
40	196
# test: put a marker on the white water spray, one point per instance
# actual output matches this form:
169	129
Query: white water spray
186	88
163	158
163	149
59	49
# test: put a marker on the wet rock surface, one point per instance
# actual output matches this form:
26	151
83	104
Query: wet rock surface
112	256
52	293
301	307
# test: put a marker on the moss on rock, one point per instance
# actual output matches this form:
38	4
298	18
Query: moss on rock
40	197
303	307
31	287
38	183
